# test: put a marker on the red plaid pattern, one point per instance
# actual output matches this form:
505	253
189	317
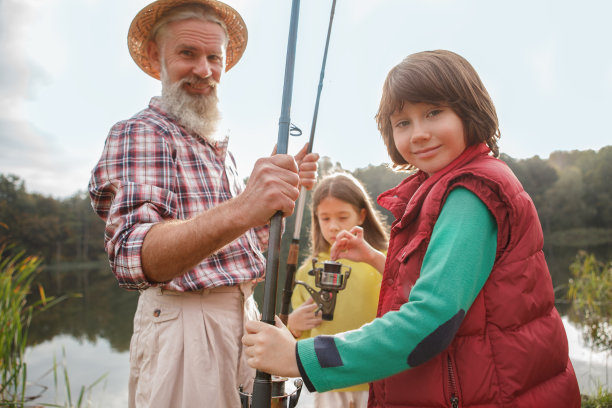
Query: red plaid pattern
152	170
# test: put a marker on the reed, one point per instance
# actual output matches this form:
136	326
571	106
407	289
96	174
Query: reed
17	274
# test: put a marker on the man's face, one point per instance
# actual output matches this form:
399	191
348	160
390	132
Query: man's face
192	51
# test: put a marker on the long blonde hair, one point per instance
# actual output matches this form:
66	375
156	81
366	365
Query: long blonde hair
347	188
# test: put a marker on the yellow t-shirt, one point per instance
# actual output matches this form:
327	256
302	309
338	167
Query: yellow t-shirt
355	305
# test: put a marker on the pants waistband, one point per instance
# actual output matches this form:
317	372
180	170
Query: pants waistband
246	288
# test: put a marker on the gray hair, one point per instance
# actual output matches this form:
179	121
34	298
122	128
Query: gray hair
187	12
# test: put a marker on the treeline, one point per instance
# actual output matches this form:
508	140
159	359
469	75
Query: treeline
571	190
58	230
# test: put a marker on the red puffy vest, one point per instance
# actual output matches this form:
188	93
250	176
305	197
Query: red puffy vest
511	348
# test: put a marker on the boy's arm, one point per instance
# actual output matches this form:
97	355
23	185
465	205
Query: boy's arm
457	263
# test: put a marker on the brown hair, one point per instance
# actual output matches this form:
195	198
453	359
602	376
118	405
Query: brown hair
438	77
347	188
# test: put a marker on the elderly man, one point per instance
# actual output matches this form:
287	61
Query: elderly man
181	227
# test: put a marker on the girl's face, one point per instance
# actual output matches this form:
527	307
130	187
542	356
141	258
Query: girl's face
335	215
428	136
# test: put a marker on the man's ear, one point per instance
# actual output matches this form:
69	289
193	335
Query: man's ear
154	55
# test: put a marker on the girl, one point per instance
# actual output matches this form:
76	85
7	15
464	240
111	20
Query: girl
466	316
341	207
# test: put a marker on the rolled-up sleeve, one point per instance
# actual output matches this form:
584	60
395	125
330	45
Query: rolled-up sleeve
131	188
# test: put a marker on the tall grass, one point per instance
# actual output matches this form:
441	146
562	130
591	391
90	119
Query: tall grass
17	273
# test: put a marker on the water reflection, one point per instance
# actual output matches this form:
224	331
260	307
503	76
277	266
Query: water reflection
95	331
104	311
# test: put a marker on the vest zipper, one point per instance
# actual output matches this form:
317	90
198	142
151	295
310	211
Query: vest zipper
452	382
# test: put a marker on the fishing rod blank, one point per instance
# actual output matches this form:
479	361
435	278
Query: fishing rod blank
294	248
262	387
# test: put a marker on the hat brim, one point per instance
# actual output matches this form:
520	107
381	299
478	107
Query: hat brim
144	21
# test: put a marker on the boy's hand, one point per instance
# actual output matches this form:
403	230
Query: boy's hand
270	348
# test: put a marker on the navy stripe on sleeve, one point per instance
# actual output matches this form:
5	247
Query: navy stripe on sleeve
327	352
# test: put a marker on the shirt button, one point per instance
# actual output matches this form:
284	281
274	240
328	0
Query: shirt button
389	282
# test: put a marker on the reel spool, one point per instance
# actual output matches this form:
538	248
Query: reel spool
330	279
280	398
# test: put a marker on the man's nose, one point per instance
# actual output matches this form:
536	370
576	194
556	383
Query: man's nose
202	68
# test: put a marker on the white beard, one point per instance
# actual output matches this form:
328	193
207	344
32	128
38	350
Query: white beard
198	114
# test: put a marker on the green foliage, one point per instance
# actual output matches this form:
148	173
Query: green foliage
58	230
603	399
17	273
590	291
378	179
581	237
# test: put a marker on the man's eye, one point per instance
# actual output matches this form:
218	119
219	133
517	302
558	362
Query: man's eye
186	53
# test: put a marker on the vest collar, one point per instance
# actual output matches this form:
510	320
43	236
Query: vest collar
401	198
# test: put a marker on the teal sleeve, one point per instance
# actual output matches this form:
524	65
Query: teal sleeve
457	263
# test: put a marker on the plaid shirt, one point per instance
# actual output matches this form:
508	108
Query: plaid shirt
152	170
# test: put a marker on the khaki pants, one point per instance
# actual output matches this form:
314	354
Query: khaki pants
186	350
342	399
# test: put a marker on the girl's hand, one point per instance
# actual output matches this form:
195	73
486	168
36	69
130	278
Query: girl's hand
270	348
304	317
351	245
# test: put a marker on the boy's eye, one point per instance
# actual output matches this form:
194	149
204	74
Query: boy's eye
434	112
402	123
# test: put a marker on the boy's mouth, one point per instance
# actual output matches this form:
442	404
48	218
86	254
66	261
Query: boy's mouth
426	152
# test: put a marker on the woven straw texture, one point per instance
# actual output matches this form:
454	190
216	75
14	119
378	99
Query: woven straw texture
148	16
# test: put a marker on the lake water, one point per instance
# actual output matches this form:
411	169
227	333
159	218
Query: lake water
92	334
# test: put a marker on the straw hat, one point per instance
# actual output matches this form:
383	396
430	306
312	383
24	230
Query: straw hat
148	16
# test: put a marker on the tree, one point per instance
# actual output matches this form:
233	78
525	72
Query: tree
590	291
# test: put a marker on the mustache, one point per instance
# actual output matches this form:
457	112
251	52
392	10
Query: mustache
196	80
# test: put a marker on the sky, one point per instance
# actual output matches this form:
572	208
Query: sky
66	77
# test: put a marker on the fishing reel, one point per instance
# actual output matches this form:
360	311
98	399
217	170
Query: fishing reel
280	398
330	278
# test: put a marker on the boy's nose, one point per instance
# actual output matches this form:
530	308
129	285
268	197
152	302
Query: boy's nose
419	133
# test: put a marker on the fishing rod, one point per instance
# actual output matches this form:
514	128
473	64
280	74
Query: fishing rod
294	248
262	386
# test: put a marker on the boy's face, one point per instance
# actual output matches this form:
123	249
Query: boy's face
428	136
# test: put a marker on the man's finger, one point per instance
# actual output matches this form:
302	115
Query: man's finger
300	155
